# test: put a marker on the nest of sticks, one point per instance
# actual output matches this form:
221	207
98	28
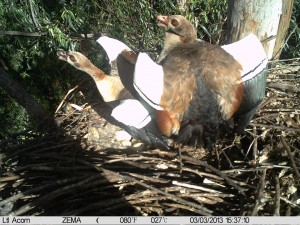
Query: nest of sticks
87	169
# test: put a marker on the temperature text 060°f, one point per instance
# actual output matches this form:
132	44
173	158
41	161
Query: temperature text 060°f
128	219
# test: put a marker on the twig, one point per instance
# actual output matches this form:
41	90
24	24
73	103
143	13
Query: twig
179	206
122	159
286	41
284	60
194	187
206	200
56	193
37	189
267	101
201	174
218	153
265	116
21	33
64	99
159	152
216	171
268	39
281	110
284	87
41	149
288	211
291	156
9	178
151	179
208	195
234	142
226	157
180	159
277	196
240	170
255	151
204	211
251	144
37	26
287	129
292	204
260	194
297	149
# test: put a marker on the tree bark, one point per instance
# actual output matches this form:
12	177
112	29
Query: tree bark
264	18
284	23
36	112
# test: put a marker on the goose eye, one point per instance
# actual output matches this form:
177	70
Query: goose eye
72	58
175	22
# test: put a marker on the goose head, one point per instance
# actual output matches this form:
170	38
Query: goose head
178	28
179	32
76	59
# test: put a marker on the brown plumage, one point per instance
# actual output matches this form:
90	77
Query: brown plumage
195	73
178	92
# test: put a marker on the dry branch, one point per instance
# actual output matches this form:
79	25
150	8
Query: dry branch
291	156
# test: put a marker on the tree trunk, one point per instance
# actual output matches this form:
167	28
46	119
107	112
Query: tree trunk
284	23
36	112
264	18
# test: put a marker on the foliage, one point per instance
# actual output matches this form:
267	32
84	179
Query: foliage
210	18
292	47
15	118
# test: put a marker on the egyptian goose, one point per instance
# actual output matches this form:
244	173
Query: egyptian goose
129	113
110	87
203	85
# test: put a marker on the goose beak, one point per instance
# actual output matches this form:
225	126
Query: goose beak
163	20
62	55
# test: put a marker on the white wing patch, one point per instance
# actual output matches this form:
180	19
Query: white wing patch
149	80
112	47
250	53
131	113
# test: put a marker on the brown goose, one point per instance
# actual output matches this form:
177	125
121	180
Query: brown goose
203	85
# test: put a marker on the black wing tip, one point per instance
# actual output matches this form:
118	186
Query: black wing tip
151	137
